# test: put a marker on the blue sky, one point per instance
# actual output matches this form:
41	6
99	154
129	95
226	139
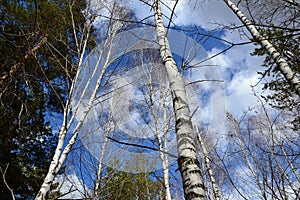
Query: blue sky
236	67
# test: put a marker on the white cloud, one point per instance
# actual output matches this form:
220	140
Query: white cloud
72	187
239	70
237	67
206	13
240	94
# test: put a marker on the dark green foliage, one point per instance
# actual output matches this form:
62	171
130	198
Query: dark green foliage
282	96
38	57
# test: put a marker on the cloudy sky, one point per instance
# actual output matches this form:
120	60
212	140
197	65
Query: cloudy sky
237	68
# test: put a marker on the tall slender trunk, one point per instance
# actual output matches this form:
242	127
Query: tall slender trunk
208	166
284	67
57	162
166	160
62	151
99	171
187	161
162	145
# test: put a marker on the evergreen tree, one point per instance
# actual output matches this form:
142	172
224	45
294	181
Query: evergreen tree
116	184
282	94
123	185
38	58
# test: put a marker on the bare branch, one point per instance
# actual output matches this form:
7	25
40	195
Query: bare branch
4	180
141	146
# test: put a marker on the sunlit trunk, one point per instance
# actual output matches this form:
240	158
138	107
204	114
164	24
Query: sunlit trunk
284	67
208	166
187	161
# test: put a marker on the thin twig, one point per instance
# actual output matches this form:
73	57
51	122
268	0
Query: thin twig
199	81
141	146
6	184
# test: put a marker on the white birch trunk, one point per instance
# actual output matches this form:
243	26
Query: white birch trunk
187	161
53	168
162	146
99	171
100	165
61	153
284	67
166	160
208	166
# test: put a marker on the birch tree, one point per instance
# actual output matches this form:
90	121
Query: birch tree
278	22
263	151
37	59
290	75
156	99
208	166
82	107
187	160
152	105
60	153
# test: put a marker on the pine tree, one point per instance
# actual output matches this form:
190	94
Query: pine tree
37	61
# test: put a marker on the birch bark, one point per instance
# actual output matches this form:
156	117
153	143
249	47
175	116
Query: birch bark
61	151
284	67
208	166
99	171
164	157
56	160
162	145
187	161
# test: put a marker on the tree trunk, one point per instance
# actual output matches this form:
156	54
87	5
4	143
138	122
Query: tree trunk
62	151
284	67
99	171
208	166
187	161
